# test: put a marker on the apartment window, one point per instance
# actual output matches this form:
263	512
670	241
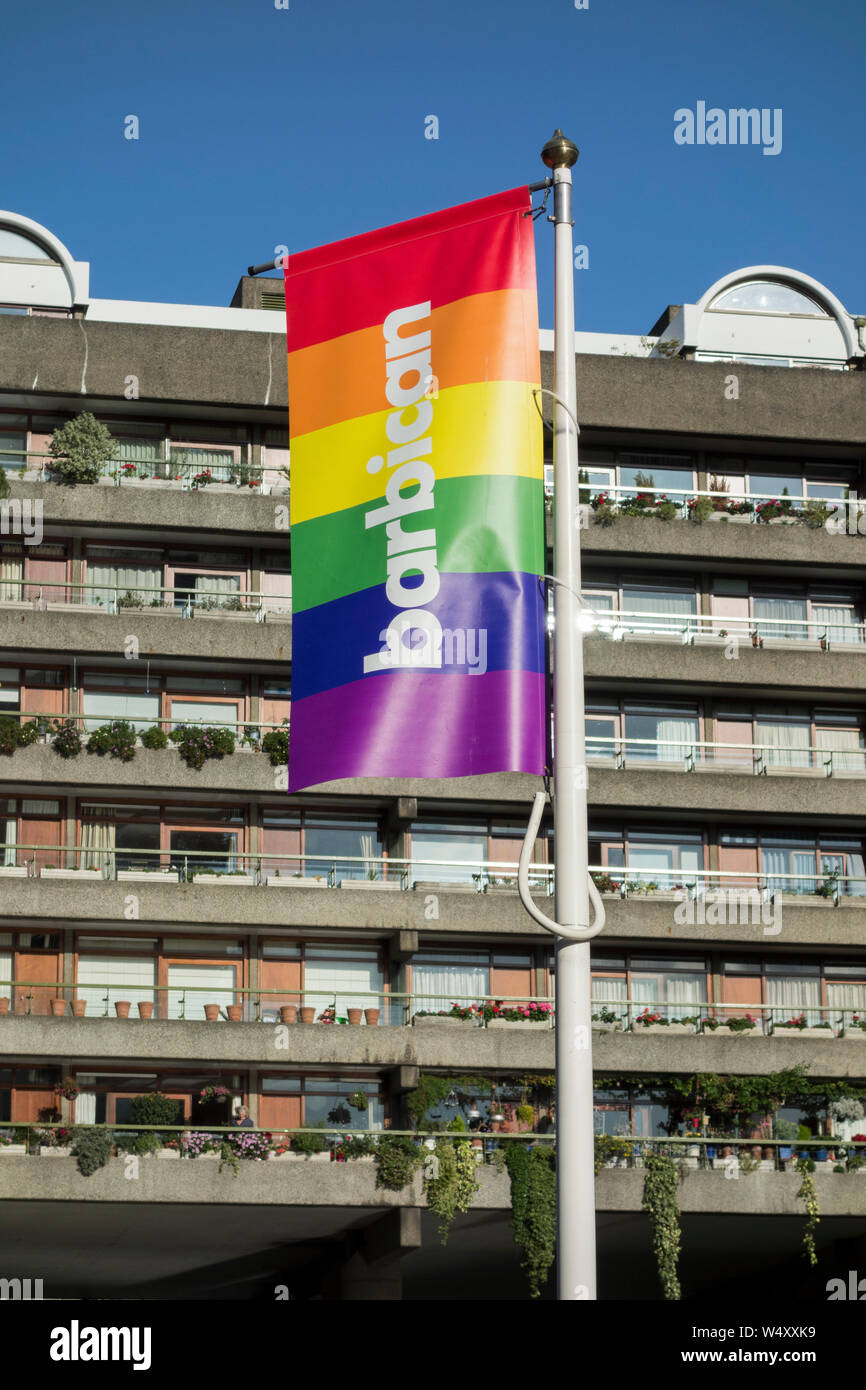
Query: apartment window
667	734
13	447
191	986
675	989
780	617
671	607
793	990
784	742
325	1103
116	578
457	851
797	858
10	689
104	977
440	979
354	846
118	695
204	851
348	977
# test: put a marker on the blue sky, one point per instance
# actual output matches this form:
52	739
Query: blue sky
261	126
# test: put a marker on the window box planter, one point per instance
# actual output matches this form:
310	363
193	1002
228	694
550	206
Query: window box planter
245	614
383	885
50	1151
427	886
744	518
147	875
225	880
434	1021
168	1153
725	1032
13	1150
303	1158
91	875
54	606
536	1024
663	1028
14	871
286	882
607	1027
803	1032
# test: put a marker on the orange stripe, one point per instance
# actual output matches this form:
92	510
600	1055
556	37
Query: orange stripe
483	337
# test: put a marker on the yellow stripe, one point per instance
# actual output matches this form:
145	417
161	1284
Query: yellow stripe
486	428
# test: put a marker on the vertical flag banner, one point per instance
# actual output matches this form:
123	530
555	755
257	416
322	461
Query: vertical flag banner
417	500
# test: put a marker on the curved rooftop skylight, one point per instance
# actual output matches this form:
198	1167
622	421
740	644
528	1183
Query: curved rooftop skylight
766	297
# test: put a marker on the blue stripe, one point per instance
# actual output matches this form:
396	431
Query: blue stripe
500	617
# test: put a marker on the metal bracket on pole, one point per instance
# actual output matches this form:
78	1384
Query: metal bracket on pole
570	933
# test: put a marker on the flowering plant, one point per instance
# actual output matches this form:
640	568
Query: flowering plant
211	1092
247	1144
513	1013
194	1144
798	1021
647	1018
67	1090
128	467
328	1015
201	479
255	482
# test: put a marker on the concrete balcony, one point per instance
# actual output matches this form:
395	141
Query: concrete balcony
95	1041
743	1054
239	514
723	542
160	770
710	788
793	670
67	629
31	904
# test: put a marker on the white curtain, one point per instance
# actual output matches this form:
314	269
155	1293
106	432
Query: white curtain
842	624
97	842
5	974
202	712
789	744
789	610
679	607
610	993
85	1108
676	737
10	835
11	576
852	998
140	580
131	978
836	739
366	846
466	852
351	981
216	983
685	993
793	995
783	861
856	870
215	588
444	985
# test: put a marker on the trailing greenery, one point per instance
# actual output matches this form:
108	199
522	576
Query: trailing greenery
197	745
117	739
533	1209
807	1194
398	1159
450	1181
660	1201
154	737
92	1147
80	449
4	483
154	1108
609	1147
276	744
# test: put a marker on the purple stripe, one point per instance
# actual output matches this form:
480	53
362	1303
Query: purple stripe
419	724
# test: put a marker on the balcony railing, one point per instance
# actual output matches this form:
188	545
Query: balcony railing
618	1014
159	600
757	759
248	731
726	1154
186	1003
690	629
629	499
177	473
241	869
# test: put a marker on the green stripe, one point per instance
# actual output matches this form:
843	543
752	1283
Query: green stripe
486	524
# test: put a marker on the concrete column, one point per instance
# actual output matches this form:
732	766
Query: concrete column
373	1270
69	831
68	961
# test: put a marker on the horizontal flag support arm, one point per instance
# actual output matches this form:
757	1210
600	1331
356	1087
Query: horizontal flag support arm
537	187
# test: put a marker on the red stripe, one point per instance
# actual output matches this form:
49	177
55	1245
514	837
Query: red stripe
476	248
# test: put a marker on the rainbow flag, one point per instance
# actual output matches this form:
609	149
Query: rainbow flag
417	515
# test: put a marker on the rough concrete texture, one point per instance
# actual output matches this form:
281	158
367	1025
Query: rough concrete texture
234	642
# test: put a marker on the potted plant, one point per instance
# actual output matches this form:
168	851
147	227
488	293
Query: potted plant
354	1016
235	1012
145	1008
58	1007
371	1017
212	1012
307	1013
786	1130
67	1090
359	1100
122	1008
79	1008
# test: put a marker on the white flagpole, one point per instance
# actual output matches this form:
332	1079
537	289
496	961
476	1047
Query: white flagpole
575	1175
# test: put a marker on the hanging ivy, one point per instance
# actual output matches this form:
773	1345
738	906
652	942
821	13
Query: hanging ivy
809	1197
533	1209
450	1181
660	1201
432	1090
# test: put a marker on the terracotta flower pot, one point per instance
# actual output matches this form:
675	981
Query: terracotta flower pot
288	1013
122	1008
235	1012
371	1016
79	1007
211	1012
4	1006
145	1008
354	1015
307	1013
58	1007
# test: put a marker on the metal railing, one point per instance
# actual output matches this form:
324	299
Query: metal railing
394	1008
701	1016
744	503
759	758
391	874
620	623
248	731
189	603
184	473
